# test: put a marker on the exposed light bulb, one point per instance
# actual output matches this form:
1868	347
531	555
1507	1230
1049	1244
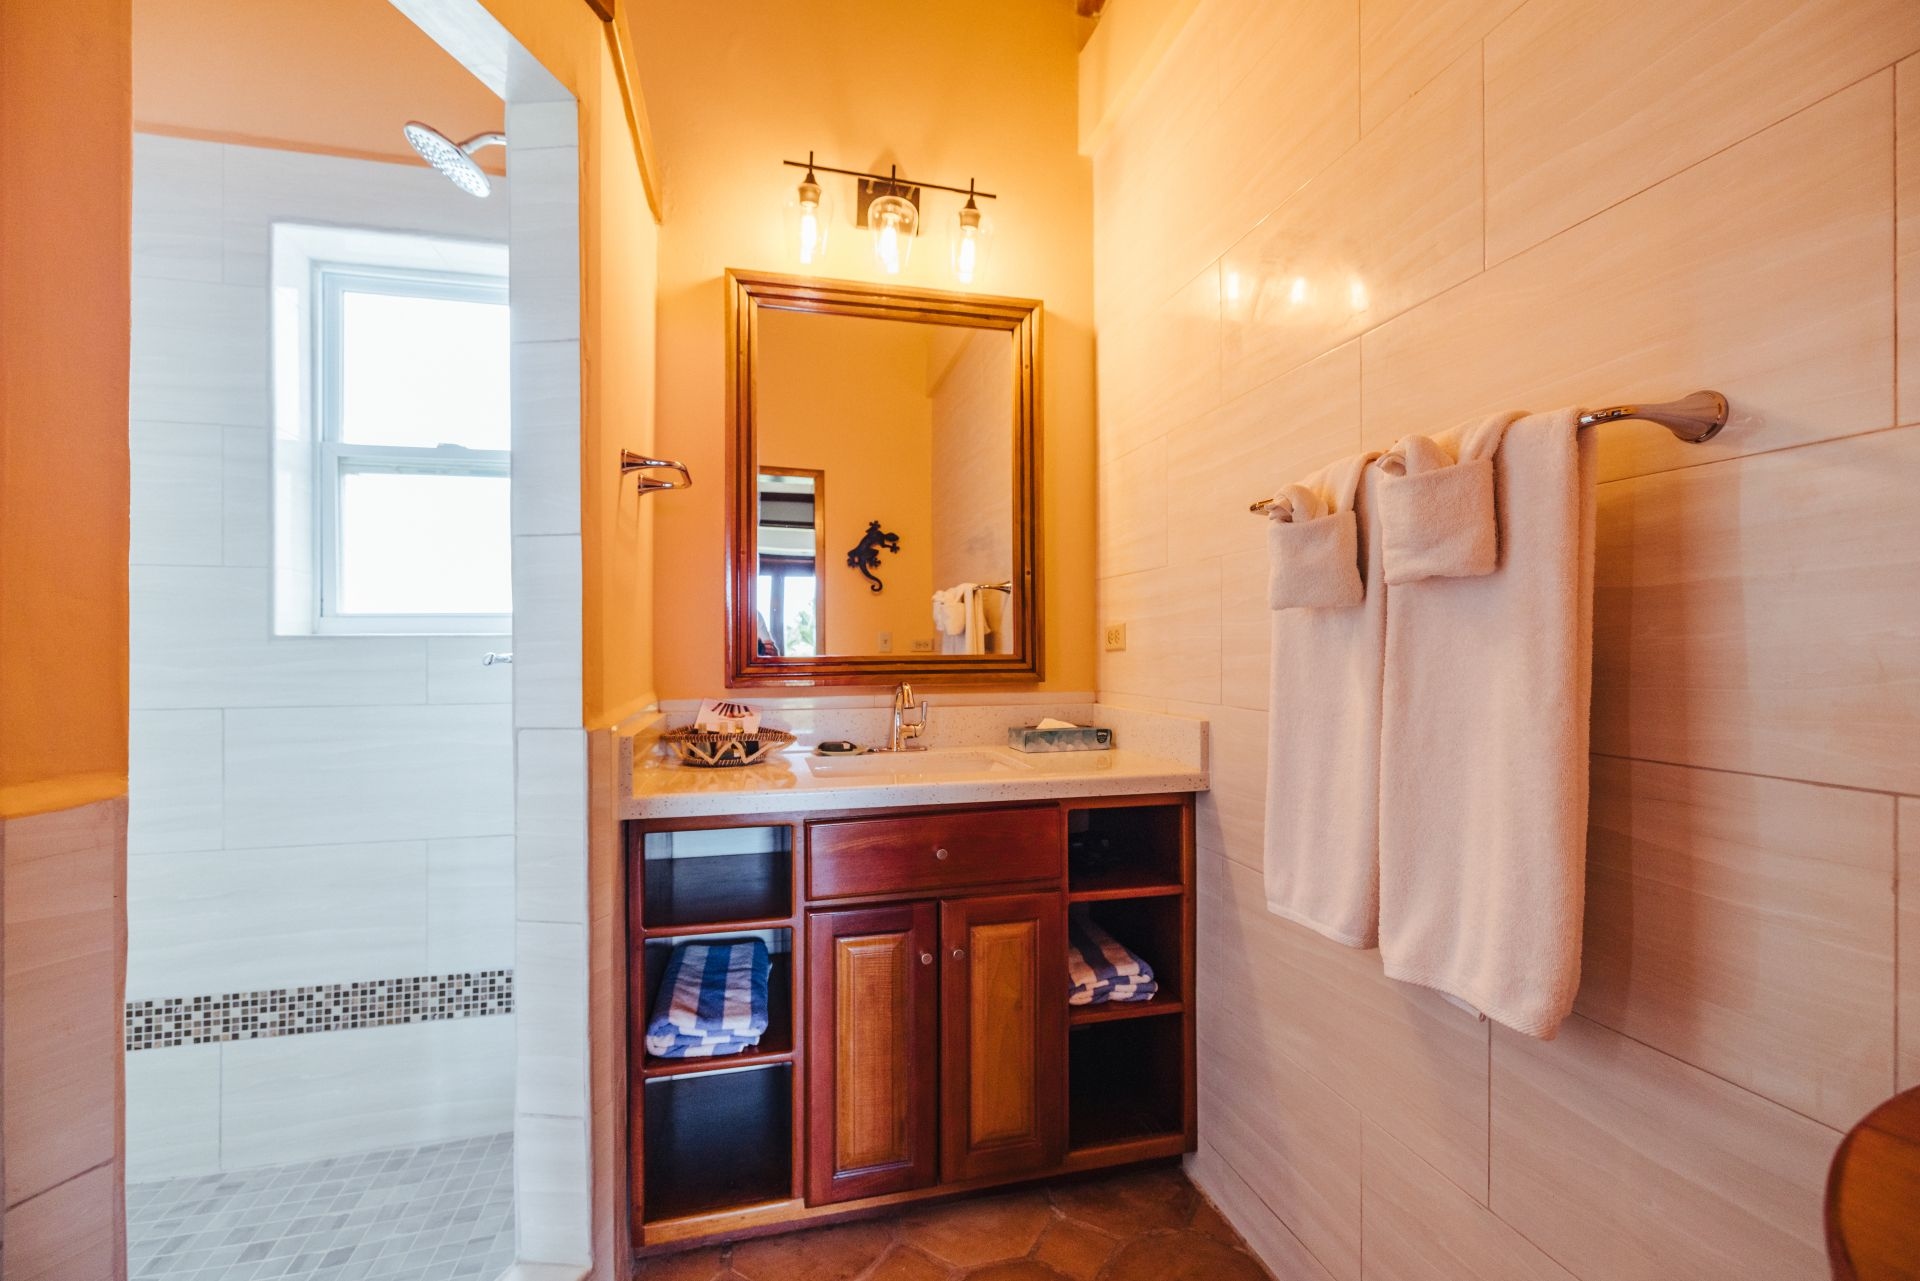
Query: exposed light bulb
809	226
966	255
971	235
894	220
809	217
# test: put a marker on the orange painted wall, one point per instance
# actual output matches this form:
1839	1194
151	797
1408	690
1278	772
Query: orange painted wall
339	77
65	210
947	91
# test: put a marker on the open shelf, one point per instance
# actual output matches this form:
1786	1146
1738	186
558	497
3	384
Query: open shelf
1152	928
1125	1082
1115	1011
776	1045
1125	851
717	1141
703	880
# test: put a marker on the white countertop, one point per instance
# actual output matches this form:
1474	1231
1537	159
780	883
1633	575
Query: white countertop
1171	758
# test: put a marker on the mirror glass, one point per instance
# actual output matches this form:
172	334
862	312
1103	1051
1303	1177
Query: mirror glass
888	464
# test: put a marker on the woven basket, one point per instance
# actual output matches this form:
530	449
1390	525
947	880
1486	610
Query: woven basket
710	749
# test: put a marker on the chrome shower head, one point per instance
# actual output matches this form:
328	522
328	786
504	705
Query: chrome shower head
454	159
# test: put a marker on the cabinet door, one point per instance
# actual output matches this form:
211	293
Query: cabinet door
1003	1034
872	1041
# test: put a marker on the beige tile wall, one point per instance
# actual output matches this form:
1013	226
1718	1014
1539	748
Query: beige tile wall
1322	225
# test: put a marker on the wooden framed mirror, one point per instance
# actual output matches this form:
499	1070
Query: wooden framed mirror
883	484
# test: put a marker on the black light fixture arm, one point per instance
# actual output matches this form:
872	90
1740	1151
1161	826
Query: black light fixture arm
892	180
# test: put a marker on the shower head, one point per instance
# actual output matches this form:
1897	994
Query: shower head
454	159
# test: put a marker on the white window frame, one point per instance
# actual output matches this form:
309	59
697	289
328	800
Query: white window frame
334	458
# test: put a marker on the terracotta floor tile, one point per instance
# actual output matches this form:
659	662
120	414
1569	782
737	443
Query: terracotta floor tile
969	1233
824	1254
1018	1270
1074	1250
1129	1204
1208	1221
1181	1256
694	1265
905	1264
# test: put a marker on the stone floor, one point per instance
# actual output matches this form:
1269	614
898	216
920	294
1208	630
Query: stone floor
1150	1225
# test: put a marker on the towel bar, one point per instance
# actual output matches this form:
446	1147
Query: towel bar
1694	419
631	462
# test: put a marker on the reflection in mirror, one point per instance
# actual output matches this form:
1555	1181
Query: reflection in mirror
791	549
882	484
906	424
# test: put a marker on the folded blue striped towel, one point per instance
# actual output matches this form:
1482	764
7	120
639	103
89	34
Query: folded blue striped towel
712	1000
1099	969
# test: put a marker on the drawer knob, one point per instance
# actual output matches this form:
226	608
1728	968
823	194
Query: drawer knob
926	958
959	953
940	853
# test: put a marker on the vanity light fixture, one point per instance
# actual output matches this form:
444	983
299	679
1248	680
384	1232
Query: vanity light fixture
889	207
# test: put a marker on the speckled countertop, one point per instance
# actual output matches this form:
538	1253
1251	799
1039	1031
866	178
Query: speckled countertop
967	748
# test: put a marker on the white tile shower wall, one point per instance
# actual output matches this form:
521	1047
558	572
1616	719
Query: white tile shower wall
303	809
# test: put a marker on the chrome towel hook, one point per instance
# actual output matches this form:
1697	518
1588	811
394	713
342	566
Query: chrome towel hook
631	462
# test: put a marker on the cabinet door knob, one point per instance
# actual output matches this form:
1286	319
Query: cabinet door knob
940	853
959	953
926	958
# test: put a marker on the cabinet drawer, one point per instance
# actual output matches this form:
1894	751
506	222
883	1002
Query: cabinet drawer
930	852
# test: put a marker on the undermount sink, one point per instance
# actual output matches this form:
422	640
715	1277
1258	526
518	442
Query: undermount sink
928	764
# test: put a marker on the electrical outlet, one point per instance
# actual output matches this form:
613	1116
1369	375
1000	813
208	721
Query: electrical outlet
922	645
886	642
1116	636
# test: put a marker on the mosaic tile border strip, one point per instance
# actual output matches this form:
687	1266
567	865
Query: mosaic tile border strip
327	1007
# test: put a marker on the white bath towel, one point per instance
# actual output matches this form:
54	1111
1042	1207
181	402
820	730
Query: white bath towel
1323	749
1483	752
960	613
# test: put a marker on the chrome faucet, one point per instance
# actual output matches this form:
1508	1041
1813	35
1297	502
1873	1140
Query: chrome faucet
903	730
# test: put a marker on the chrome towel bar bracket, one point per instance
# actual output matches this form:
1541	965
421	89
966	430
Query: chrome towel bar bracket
631	462
1695	419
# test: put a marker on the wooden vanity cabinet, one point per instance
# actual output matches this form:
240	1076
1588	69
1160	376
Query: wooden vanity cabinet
920	1025
873	1023
1003	1035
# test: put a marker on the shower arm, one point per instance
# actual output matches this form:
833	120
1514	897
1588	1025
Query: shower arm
480	141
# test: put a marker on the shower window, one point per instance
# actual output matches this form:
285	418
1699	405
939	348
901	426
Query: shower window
411	469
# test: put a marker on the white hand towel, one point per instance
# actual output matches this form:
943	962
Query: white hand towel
1323	755
1313	557
1437	517
976	628
1483	749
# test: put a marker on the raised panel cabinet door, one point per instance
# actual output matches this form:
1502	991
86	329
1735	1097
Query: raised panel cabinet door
1003	1033
872	1046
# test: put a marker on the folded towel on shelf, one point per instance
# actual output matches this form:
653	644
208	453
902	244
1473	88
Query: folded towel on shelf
1483	749
712	1000
1437	516
1100	969
1321	852
1313	542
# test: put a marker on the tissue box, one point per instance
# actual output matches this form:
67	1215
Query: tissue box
1082	739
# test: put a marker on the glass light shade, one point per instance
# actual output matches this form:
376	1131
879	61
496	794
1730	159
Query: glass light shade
969	239
809	217
894	221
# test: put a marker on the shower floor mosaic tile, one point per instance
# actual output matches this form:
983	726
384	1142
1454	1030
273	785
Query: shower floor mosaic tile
443	1212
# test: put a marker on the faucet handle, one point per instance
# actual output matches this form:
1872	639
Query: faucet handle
918	726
